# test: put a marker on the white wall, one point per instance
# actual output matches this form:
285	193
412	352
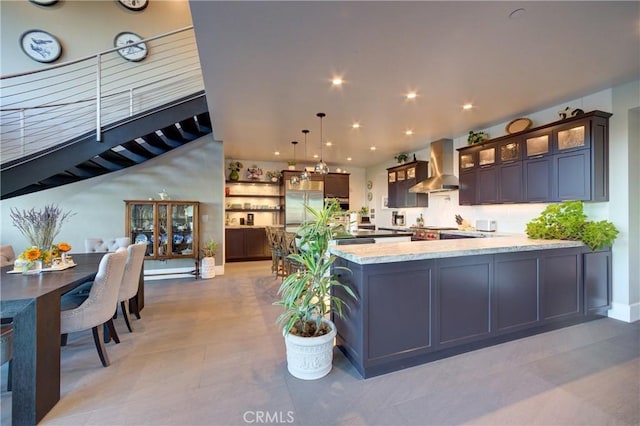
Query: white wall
623	208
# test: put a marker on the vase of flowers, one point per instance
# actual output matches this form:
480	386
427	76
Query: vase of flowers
235	167
40	227
32	260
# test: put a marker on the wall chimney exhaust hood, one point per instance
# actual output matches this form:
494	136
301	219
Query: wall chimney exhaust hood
441	177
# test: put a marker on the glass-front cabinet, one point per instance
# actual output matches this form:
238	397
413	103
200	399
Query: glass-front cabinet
168	228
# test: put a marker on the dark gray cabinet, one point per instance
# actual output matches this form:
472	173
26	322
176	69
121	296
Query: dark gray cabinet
400	179
336	185
564	160
467	188
408	313
242	244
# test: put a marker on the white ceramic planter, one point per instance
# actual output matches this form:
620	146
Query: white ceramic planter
208	267
310	358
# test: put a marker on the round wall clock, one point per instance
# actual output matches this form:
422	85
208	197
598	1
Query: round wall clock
369	184
135	5
40	46
131	48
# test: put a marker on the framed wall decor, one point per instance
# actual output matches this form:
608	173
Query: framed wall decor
132	48
40	46
135	5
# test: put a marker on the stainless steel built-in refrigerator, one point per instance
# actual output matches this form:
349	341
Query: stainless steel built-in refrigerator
296	196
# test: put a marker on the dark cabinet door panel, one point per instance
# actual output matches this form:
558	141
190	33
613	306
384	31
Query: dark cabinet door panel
234	244
467	192
516	291
561	285
573	180
464	298
510	178
402	320
487	185
597	282
537	179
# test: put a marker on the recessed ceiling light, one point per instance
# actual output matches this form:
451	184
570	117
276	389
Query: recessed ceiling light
348	158
329	143
411	95
373	148
315	156
467	106
356	125
337	81
277	153
408	132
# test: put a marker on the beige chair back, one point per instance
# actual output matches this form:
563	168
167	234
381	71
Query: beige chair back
132	270
7	255
103	297
104	245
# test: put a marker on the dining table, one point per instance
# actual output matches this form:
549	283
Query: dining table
32	304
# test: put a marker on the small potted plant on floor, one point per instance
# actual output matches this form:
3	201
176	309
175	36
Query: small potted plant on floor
307	298
208	262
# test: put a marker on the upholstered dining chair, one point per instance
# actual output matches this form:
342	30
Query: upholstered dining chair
104	245
7	255
131	279
95	309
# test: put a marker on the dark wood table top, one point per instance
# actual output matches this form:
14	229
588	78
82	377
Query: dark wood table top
17	287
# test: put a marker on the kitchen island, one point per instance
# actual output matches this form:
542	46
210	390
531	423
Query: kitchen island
426	300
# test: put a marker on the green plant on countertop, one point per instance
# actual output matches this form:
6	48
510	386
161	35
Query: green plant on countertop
567	221
476	137
364	211
402	157
306	295
209	248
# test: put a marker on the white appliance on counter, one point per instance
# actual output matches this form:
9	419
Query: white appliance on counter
486	225
297	195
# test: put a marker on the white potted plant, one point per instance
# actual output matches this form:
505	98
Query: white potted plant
208	262
307	298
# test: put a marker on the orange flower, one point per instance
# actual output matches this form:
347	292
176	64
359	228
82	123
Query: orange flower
64	247
32	254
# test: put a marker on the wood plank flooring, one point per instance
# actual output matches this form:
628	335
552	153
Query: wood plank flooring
208	352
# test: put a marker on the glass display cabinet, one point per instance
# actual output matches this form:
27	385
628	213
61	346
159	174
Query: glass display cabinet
168	228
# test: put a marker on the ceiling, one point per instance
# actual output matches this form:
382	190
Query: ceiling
268	67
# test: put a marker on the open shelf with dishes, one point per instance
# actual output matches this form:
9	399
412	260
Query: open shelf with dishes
263	199
168	228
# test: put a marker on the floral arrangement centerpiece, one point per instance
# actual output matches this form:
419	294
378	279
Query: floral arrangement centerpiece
274	175
40	228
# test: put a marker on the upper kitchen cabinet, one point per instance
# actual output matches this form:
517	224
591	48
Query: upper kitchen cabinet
336	185
400	179
564	160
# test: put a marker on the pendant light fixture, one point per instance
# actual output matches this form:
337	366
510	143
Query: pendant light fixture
294	178
321	167
305	175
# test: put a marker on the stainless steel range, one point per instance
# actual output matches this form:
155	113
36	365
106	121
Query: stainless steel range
429	232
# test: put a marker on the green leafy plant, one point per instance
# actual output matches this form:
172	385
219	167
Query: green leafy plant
364	211
235	166
476	137
402	157
306	295
271	174
567	221
209	248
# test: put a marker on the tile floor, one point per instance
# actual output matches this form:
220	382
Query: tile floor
207	352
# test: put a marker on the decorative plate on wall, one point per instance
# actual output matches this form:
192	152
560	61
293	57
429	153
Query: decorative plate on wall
518	125
135	5
40	46
132	49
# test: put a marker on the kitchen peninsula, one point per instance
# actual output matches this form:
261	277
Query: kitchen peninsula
422	301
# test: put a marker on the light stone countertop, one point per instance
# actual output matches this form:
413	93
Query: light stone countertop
420	250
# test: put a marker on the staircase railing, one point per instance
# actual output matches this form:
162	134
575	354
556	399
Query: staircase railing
45	108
